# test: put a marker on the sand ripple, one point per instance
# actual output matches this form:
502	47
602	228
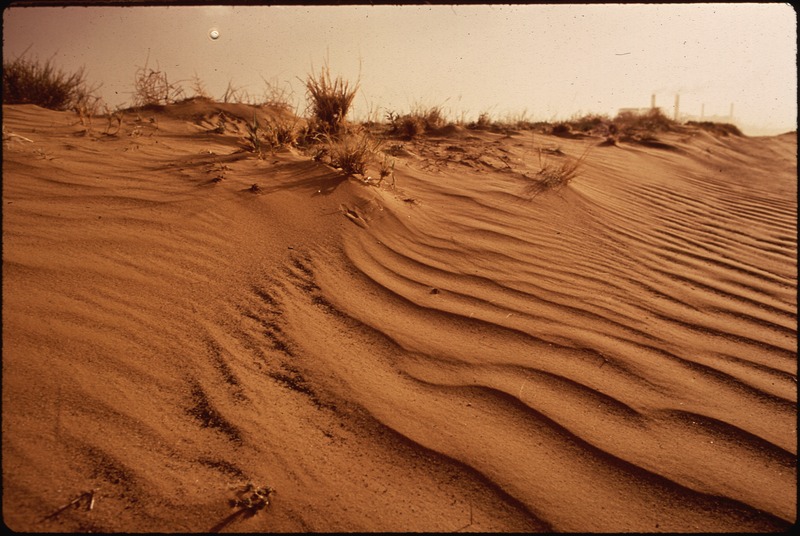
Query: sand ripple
619	355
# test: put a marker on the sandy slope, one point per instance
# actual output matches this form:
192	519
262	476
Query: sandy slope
452	354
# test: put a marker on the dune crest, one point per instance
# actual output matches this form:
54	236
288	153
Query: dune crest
181	318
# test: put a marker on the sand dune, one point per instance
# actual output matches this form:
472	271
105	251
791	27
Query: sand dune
449	354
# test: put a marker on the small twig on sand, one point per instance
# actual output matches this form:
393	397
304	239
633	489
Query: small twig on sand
11	135
73	502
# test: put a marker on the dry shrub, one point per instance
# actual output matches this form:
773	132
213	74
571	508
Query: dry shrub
484	122
351	152
28	81
649	123
113	116
562	129
554	176
432	117
416	123
518	120
406	126
386	169
271	135
235	94
329	99
152	87
411	126
723	129
277	97
199	88
591	123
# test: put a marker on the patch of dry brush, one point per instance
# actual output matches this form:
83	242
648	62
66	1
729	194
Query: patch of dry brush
330	100
555	176
30	81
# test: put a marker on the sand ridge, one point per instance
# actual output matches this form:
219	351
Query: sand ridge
449	354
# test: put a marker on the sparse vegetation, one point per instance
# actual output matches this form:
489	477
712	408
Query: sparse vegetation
636	126
234	94
330	100
113	116
723	129
277	97
421	119
199	88
386	170
271	135
432	117
590	124
281	133
29	81
352	152
406	126
325	134
562	129
555	175
484	122
253	138
152	87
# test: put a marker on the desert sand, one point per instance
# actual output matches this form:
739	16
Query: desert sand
445	353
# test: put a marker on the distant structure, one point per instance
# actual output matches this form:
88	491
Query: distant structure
710	118
681	117
640	111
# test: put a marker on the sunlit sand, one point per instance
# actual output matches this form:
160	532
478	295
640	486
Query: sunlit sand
441	350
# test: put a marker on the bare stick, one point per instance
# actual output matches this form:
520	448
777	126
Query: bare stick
71	503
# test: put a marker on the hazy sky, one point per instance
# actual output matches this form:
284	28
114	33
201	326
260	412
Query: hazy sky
552	61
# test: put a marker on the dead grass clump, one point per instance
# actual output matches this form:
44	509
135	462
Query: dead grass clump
270	135
152	87
235	94
114	118
386	170
636	125
281	133
352	152
199	88
555	176
406	126
562	129
421	119
591	124
329	99
484	122
277	97
433	117
29	81
519	120
723	129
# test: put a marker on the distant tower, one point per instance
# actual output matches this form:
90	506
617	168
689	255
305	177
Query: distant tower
730	115
653	101
677	106
702	111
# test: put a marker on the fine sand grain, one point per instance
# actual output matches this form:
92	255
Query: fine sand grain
450	354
